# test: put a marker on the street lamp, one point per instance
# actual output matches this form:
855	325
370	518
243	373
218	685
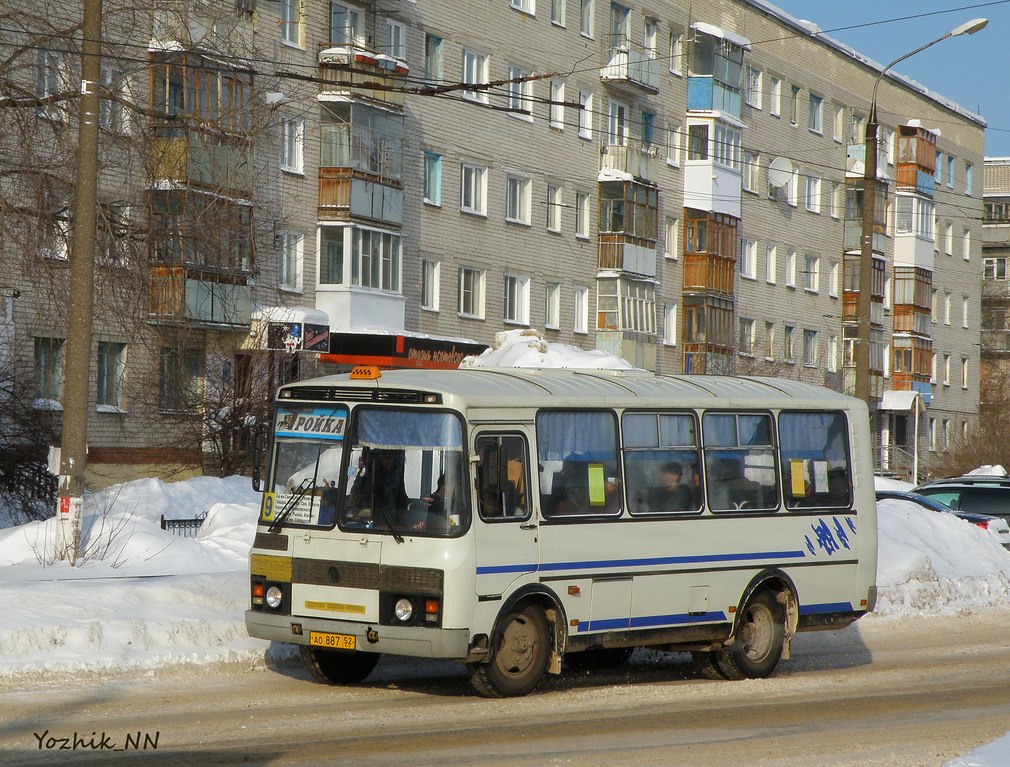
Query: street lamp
863	303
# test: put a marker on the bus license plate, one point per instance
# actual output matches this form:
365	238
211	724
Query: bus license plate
331	641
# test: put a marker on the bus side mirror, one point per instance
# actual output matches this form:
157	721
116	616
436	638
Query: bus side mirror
258	448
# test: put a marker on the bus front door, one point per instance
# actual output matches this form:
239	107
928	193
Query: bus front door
507	536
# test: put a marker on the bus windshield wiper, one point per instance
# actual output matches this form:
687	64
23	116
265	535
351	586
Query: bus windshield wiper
387	514
290	504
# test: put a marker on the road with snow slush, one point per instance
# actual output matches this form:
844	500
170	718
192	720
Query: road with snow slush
909	692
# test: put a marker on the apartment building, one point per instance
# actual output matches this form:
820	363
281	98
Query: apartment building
677	183
995	288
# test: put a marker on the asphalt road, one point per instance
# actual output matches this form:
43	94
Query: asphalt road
903	693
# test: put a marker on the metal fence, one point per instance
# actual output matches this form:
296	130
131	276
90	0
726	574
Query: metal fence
186	528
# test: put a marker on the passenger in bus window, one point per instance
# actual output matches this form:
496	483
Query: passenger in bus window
671	495
731	488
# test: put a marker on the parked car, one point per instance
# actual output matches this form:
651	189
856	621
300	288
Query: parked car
998	527
977	493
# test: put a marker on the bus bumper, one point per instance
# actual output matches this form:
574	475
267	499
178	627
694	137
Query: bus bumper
414	641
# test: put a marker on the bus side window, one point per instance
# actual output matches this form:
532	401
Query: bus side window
502	477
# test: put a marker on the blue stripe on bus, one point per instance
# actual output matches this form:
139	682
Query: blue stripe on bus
608	563
829	607
650	621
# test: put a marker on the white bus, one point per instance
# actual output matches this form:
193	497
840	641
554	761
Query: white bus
514	519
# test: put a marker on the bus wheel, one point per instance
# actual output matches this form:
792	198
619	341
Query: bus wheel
337	666
706	663
601	657
757	646
519	657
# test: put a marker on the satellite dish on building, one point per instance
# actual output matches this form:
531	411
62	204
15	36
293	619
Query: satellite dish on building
779	171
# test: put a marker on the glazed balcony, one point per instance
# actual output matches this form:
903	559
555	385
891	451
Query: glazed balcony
194	297
202	160
633	158
353	70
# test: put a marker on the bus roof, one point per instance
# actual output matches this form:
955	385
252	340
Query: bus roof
491	387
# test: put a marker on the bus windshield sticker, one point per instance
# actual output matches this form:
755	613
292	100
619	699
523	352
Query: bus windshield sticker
316	422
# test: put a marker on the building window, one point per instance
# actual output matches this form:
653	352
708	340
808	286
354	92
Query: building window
726	148
520	92
517	200
181	371
932	368
946	308
950	171
111	372
552	306
517	299
676	51
375	259
810	353
670	324
771	264
697	142
553	208
432	178
580	305
791	269
966	244
794	105
433	61
775	97
789	343
291	22
672	247
587	12
932	434
946	370
748	259
833	353
948	239
793	188
964	311
769	340
526	6
429	284
471	292
557	106
838	125
293	144
581	214
673	138
346	27
964	372
648	129
969	178
617	124
812	274
558	12
813	196
752	95
585	115
833	280
475	73
290	260
473	189
48	368
751	171
815	114
745	344
111	115
995	268
396	39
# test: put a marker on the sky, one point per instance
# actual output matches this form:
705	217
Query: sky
143	599
964	69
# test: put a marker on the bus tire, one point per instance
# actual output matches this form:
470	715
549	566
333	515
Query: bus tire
599	658
337	666
705	663
757	644
519	658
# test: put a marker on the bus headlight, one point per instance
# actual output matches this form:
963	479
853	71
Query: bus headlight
403	610
274	597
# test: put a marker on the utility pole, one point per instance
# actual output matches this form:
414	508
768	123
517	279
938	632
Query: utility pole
76	385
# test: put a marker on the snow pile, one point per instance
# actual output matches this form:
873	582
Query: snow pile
528	349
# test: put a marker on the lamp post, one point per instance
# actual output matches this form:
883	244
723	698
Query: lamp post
863	303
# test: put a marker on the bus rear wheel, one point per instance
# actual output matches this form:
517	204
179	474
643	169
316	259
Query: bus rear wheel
519	656
337	666
757	646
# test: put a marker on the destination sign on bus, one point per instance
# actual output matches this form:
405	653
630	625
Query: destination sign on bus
317	422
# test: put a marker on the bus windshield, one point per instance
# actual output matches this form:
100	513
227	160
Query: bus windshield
394	472
405	473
